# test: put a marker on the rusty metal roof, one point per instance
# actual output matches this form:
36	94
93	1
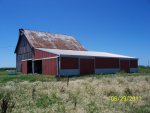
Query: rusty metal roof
52	41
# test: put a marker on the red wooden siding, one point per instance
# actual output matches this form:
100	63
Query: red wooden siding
49	66
133	64
106	63
24	68
125	65
87	66
41	54
69	63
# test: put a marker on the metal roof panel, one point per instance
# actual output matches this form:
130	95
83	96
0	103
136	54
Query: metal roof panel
52	41
84	53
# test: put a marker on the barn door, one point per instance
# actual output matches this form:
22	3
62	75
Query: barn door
124	65
24	67
49	66
86	66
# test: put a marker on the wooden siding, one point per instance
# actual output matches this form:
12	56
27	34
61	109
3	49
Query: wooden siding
24	68
124	65
86	66
69	63
23	52
49	66
133	63
38	54
106	63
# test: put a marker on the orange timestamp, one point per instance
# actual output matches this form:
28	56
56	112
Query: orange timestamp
125	98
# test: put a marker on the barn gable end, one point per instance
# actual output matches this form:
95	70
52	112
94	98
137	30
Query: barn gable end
23	51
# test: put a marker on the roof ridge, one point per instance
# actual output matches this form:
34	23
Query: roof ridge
46	32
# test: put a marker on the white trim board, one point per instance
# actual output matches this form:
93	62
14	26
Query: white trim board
41	58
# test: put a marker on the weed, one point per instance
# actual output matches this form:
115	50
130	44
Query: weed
73	97
128	91
86	94
111	93
45	101
33	93
6	103
92	107
141	109
61	108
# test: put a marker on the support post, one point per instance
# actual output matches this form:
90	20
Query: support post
59	65
32	66
79	65
57	61
94	67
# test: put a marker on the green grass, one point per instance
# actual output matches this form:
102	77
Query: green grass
84	94
30	78
143	69
46	101
142	109
4	77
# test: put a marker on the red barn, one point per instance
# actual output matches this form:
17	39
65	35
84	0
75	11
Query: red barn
56	54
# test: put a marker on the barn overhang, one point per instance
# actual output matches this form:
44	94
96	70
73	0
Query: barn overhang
78	64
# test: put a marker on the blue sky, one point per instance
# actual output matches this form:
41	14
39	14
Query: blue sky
117	26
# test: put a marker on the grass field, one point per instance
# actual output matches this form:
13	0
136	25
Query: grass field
114	93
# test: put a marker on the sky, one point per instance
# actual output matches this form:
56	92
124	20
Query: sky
116	26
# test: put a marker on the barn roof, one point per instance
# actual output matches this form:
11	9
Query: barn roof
38	39
84	53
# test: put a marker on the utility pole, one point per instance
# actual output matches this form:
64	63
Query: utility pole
148	63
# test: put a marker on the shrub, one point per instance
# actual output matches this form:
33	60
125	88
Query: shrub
92	107
6	102
45	101
128	91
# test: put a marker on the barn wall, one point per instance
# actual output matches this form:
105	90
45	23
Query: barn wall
23	52
86	66
79	66
69	66
24	68
69	63
125	65
106	70
49	66
76	66
113	65
133	70
106	65
133	65
67	72
38	54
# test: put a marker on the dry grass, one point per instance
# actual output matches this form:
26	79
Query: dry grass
88	95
